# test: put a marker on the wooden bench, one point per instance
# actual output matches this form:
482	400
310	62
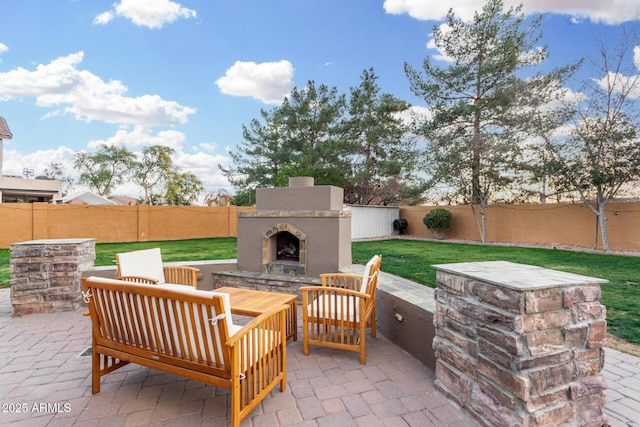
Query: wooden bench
186	332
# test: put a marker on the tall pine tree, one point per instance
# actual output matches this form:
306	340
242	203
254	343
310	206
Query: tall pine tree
474	143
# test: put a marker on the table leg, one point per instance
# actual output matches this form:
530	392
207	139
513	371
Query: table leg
293	320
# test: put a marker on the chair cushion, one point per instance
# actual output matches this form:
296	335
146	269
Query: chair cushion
333	307
367	273
146	262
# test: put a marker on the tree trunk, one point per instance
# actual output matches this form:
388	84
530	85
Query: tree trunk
482	223
602	217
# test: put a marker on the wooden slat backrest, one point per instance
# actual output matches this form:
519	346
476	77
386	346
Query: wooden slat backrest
346	281
188	327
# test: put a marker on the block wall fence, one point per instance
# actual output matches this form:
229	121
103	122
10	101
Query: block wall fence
547	224
107	224
562	224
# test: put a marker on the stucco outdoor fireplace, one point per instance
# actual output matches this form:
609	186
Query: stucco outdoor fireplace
300	230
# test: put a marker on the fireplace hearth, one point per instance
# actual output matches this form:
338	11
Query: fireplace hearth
300	230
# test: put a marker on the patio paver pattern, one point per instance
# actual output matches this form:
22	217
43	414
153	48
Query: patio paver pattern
44	381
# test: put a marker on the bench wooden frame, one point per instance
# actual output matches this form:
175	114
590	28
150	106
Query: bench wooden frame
185	332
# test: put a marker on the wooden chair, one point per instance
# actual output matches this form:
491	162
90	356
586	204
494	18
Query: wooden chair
145	266
337	313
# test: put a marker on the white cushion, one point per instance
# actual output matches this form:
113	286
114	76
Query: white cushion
150	314
268	338
147	263
336	307
367	273
190	290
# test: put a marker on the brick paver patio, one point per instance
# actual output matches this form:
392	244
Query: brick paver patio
44	381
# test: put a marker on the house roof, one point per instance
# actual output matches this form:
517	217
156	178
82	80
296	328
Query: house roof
5	132
124	200
86	197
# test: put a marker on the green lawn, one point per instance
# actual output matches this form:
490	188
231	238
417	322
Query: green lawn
413	260
621	296
172	250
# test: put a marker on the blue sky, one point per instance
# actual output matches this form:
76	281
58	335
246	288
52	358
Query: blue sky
189	73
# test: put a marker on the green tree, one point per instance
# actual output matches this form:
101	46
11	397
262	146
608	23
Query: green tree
104	169
183	188
473	137
55	171
602	152
259	157
302	137
312	123
383	157
153	170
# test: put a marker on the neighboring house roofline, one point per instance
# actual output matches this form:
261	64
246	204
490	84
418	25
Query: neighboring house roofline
5	132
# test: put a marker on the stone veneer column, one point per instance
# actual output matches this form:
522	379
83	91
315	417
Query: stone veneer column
518	345
46	274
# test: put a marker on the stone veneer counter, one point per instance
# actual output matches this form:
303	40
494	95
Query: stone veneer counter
46	274
520	345
520	277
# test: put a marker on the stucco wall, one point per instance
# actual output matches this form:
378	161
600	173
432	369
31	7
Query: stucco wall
559	224
23	222
549	224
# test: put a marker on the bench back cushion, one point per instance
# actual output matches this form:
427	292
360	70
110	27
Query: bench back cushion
175	321
188	290
146	263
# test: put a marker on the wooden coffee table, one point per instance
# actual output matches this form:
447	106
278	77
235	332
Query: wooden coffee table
247	302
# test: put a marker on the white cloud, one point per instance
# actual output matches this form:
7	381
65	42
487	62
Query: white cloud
3	48
203	165
14	162
103	19
609	12
428	10
207	147
61	85
617	82
431	44
142	136
421	113
147	13
268	82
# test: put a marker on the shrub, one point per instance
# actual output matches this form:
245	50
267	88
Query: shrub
438	221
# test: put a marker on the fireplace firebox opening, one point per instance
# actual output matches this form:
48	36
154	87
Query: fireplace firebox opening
284	251
288	247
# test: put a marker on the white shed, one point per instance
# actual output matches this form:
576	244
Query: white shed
372	221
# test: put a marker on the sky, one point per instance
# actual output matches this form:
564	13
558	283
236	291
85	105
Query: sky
190	73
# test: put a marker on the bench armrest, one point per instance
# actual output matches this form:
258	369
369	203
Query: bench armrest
181	275
258	354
